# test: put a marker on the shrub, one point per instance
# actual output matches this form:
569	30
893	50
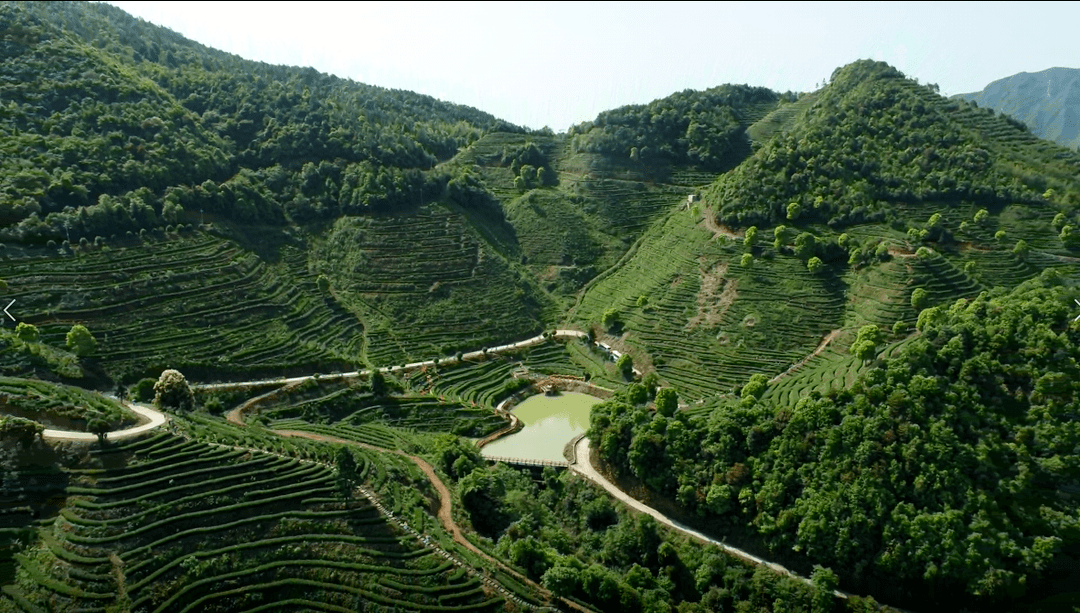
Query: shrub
26	332
144	390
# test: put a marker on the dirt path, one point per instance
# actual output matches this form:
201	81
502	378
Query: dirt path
446	511
824	343
717	229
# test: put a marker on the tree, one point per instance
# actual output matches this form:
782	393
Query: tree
1021	250
173	392
625	365
28	333
99	427
80	341
348	473
919	299
1069	236
667	401
794	209
378	382
866	343
780	236
805	245
1059	222
144	390
982	217
824	581
323	283
755	387
637	393
814	265
747	260
750	238
610	318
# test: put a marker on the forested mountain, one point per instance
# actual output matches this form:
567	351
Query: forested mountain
858	303
921	260
872	141
1048	102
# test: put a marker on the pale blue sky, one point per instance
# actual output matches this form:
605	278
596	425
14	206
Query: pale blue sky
557	64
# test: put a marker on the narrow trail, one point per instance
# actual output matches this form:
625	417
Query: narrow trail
446	511
717	229
472	355
796	366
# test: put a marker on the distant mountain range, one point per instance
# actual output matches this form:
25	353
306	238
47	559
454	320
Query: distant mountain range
1047	101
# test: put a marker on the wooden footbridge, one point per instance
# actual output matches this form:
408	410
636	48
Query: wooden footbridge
527	461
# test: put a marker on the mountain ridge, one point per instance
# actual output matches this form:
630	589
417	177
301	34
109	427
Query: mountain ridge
1048	101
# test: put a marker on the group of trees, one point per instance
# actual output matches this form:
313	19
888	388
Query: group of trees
940	468
114	125
872	138
566	534
704	129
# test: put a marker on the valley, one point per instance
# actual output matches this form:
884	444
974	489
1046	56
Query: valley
830	336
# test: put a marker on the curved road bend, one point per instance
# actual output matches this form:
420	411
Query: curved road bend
155	419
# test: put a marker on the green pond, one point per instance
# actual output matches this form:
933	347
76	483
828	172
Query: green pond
549	424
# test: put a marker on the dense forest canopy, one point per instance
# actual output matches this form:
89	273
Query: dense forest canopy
871	141
946	466
110	124
704	129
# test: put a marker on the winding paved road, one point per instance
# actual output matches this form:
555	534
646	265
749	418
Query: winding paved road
155	418
536	340
582	464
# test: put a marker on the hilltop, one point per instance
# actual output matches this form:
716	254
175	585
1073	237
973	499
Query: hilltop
1048	102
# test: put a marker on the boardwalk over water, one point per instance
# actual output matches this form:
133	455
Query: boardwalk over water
527	461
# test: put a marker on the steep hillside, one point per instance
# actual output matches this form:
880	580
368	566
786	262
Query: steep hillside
876	209
1048	102
180	203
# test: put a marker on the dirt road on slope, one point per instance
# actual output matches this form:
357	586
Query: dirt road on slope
446	515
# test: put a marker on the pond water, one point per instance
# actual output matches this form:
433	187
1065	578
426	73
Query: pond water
549	424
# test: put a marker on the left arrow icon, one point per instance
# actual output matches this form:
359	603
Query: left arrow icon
8	307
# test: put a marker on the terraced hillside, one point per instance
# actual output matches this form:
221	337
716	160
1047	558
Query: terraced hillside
687	306
139	529
356	405
425	284
193	300
689	309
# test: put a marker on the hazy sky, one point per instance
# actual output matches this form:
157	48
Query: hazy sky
557	64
